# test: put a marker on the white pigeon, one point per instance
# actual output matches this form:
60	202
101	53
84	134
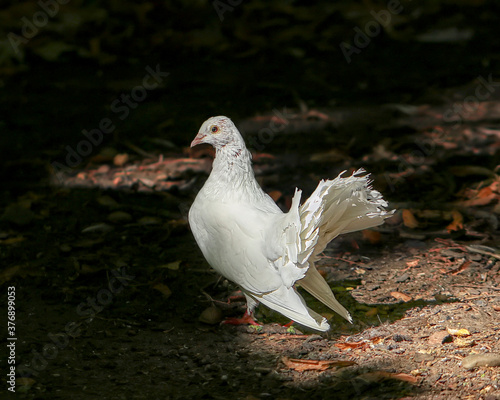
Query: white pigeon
246	237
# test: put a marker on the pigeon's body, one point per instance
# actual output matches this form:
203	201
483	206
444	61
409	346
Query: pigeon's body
245	236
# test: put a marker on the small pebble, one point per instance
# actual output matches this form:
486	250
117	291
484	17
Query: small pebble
313	338
401	338
211	315
402	278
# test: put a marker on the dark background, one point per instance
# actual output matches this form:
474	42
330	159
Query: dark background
60	242
262	55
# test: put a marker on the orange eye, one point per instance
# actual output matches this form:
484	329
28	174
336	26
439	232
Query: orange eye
214	129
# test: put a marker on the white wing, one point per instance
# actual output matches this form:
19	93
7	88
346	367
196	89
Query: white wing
232	238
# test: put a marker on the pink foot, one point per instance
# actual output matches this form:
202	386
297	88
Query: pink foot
246	319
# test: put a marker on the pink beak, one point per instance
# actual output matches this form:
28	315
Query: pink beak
198	139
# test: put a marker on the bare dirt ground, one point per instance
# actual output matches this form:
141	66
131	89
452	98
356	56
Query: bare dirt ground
110	290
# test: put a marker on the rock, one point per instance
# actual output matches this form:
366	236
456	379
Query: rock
211	315
418	357
402	278
481	360
313	338
401	338
461	342
440	337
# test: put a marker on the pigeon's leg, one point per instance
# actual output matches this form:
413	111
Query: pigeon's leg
247	317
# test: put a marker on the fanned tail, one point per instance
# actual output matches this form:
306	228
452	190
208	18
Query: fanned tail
337	206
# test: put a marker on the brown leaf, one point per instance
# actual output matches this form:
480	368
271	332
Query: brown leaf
496	308
457	223
314	365
401	296
412	264
372	236
460	269
352	345
377	376
483	197
163	289
409	219
120	159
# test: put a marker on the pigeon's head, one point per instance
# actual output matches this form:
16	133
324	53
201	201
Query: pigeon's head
219	132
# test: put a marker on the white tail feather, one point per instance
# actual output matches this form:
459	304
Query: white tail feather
314	283
290	303
337	206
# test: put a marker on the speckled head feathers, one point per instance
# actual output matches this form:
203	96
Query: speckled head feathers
219	132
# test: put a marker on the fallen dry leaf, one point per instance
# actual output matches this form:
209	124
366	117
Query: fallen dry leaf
483	197
412	264
163	289
460	269
457	223
352	345
401	296
174	266
120	159
314	365
372	236
458	332
409	219
377	376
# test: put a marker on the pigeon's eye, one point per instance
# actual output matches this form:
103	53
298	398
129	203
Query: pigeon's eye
214	129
